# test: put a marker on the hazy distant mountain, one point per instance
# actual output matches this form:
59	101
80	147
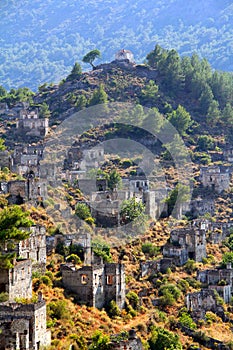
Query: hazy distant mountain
40	40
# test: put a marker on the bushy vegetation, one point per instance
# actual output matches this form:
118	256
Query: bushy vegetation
162	339
32	57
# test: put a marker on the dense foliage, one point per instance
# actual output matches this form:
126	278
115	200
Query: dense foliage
40	40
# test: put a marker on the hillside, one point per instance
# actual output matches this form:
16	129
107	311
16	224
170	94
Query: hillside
41	40
198	101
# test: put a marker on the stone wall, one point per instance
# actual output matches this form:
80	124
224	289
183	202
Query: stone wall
96	285
34	247
17	282
25	325
215	177
199	303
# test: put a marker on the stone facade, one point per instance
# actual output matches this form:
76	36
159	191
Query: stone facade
84	159
20	191
217	178
34	247
199	303
26	160
4	159
30	124
23	326
201	206
17	281
220	280
96	285
186	243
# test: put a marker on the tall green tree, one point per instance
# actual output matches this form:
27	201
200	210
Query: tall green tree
76	72
180	119
44	111
91	56
113	179
99	96
131	209
150	94
227	114
13	220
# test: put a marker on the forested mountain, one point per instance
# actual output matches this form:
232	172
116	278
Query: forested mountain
41	40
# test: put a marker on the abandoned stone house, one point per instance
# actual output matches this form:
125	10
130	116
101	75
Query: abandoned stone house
220	280
200	206
123	54
34	247
106	212
20	191
137	183
25	160
81	238
96	285
17	281
84	159
23	326
150	267
186	243
132	343
30	124
198	303
217	178
12	113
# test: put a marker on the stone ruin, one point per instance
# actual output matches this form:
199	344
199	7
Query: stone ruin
96	285
23	324
21	191
30	124
132	343
81	238
216	178
198	303
186	243
26	159
220	280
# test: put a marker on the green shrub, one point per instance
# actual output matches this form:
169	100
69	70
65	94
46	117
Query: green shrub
133	299
190	266
169	295
183	285
74	259
162	339
82	211
113	309
150	249
187	321
4	297
58	310
46	280
99	341
102	249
